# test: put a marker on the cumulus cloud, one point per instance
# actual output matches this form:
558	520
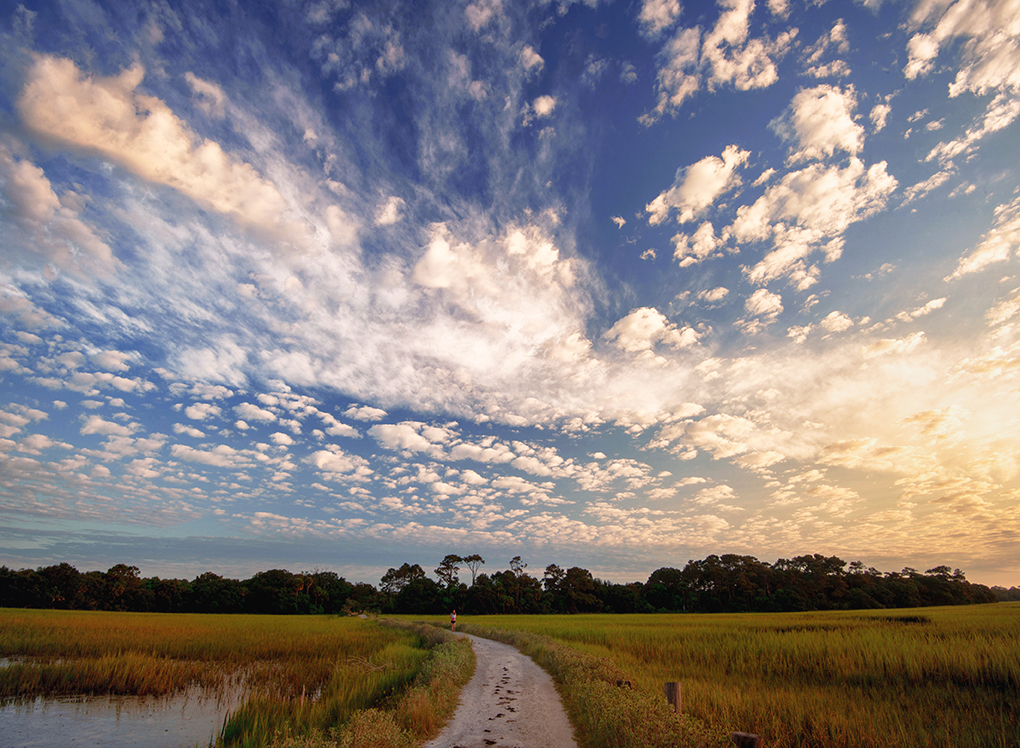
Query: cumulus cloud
819	122
764	303
201	411
52	228
389	212
698	186
643	328
112	117
656	16
251	412
807	211
96	425
690	249
722	55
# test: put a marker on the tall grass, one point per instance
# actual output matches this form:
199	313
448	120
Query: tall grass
303	675
947	677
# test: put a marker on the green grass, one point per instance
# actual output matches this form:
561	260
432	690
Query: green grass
946	677
303	675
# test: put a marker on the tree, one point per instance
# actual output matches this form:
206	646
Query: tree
447	570
552	578
473	562
395	580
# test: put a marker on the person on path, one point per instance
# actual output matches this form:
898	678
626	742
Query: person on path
453	621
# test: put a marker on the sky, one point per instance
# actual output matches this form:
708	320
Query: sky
605	283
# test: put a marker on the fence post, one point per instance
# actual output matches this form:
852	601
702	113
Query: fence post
673	695
745	740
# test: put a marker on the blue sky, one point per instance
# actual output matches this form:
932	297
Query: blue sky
608	284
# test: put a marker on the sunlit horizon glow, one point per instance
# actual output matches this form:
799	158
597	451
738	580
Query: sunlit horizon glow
601	284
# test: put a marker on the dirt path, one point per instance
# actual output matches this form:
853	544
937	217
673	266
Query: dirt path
510	702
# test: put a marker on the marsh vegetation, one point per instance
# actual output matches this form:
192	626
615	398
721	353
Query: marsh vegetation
856	679
299	674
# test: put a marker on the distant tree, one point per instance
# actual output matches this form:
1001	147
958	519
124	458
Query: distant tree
473	562
394	580
447	570
553	578
578	591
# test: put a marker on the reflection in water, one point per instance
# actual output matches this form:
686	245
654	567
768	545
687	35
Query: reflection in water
188	720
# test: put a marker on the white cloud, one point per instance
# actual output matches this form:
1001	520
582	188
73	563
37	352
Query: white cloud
819	122
142	134
365	413
656	16
281	439
543	106
251	412
180	428
401	437
96	425
219	456
995	246
894	345
879	115
209	97
644	327
53	229
764	303
389	212
201	411
698	186
808	210
836	322
713	295
531	60
692	249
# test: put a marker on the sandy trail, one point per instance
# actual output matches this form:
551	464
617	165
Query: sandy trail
510	702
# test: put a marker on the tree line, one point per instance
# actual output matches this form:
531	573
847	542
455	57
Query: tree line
727	583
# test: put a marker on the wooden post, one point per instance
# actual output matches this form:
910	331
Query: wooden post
745	740
673	695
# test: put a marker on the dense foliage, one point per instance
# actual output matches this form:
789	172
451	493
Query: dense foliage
728	583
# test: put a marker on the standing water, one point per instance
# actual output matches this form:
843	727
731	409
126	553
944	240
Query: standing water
185	721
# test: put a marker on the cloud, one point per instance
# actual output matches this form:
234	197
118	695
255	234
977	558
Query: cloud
96	425
836	322
52	228
220	456
365	413
201	411
698	186
543	106
389	212
209	97
403	437
991	51
894	345
531	60
140	133
645	327
763	303
819	122
879	115
808	210
723	55
656	16
995	246
250	412
690	249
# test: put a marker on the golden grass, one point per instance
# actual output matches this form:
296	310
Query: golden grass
945	677
304	675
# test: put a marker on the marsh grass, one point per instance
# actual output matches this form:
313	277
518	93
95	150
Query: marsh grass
313	678
407	717
945	677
